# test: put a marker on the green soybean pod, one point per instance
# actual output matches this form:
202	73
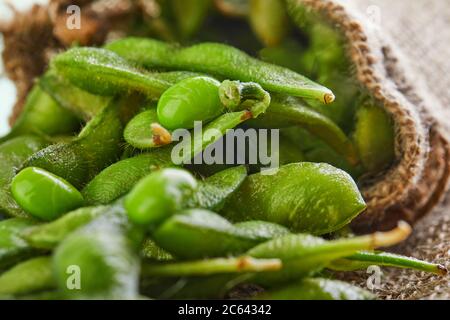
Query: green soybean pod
305	197
72	98
145	132
318	289
207	234
44	195
12	247
27	277
362	260
193	99
105	254
49	235
42	115
97	146
269	20
374	138
221	60
12	155
159	195
304	255
289	111
120	177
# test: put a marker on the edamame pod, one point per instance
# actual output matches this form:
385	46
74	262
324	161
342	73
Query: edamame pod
49	235
44	195
207	234
212	192
221	60
97	145
119	178
42	115
12	155
27	277
103	72
12	247
159	195
71	98
374	138
318	289
305	197
105	256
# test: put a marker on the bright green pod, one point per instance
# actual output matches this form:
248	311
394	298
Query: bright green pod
12	247
43	115
213	191
219	60
49	235
194	99
96	147
199	233
43	194
159	195
305	197
374	138
120	177
318	289
13	154
99	261
27	277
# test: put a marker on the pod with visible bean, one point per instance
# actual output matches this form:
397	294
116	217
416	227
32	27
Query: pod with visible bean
13	154
159	195
44	195
221	60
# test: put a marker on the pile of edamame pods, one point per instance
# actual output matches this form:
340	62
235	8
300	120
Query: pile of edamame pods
94	207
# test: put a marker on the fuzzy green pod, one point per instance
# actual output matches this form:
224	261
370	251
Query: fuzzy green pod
159	195
13	153
221	60
305	197
44	195
207	234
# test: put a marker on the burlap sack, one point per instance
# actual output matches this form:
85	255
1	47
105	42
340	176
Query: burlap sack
408	190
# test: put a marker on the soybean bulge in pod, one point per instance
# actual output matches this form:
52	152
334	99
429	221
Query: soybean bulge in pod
305	197
193	99
43	194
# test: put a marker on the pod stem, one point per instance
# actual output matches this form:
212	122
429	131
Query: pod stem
236	96
363	259
211	266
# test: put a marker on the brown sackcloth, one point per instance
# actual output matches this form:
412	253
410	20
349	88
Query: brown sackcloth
383	37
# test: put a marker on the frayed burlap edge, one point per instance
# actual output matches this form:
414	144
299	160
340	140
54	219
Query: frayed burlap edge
419	178
409	190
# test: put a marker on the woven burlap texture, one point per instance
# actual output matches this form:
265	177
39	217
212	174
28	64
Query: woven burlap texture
421	30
